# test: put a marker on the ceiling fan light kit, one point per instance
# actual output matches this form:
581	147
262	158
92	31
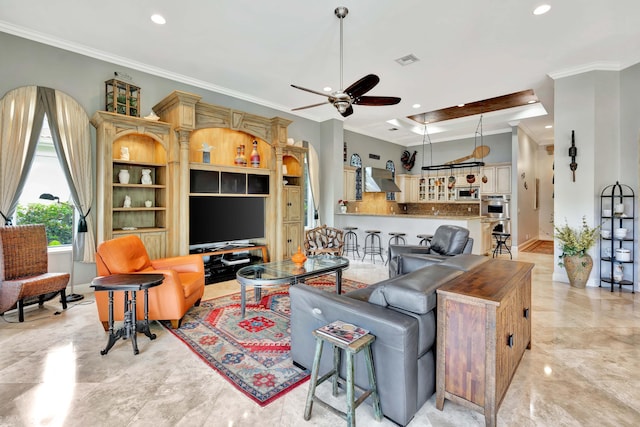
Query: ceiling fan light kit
344	99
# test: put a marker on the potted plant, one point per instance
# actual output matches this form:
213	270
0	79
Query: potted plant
575	242
343	206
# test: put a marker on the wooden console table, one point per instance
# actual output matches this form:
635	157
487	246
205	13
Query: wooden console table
484	327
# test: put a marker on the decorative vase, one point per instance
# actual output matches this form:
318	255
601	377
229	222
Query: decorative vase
578	269
299	258
123	176
343	209
255	156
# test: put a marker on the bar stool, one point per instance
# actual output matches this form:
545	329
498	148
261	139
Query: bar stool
396	239
372	245
425	239
501	242
350	349
350	241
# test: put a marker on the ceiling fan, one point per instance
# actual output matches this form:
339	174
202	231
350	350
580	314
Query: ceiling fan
344	100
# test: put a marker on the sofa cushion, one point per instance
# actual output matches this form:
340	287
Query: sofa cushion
415	291
449	240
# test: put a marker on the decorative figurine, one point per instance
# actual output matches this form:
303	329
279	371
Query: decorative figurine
127	202
146	177
206	152
124	153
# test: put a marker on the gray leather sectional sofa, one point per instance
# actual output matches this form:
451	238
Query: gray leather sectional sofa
401	313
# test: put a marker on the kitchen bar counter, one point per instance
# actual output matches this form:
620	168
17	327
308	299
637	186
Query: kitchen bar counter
454	217
412	225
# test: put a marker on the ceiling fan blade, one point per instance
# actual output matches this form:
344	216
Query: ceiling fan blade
311	91
347	112
377	100
311	106
363	85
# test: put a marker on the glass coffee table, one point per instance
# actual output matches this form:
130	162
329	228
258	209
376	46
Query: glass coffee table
285	272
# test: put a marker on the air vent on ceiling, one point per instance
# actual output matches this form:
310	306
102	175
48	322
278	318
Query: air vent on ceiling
407	59
393	129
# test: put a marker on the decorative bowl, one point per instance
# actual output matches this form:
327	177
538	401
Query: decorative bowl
623	254
620	233
606	234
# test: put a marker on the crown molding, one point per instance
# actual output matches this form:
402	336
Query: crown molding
139	66
585	68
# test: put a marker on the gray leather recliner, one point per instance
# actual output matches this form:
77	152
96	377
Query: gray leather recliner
448	240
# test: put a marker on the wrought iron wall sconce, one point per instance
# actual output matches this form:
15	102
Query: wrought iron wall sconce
573	152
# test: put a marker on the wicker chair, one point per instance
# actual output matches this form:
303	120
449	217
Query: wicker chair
324	240
24	276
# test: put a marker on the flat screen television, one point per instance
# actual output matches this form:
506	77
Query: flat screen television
214	220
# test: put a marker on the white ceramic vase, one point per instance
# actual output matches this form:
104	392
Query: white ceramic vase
123	176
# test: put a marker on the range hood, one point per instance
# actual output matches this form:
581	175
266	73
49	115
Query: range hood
379	180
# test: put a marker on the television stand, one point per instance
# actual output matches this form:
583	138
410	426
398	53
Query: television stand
217	271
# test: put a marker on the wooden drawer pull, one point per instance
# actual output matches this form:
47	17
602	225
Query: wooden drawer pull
510	340
526	313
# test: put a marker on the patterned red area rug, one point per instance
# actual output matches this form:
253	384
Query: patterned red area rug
251	353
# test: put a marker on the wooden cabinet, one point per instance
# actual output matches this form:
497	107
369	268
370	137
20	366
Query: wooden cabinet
408	185
291	203
498	179
292	237
503	179
349	183
484	327
145	212
293	200
488	187
224	131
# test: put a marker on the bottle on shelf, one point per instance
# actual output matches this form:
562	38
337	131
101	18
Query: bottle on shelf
255	156
240	159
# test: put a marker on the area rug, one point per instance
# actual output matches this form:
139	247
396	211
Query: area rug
251	353
540	247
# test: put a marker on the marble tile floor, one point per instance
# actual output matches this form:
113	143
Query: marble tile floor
582	370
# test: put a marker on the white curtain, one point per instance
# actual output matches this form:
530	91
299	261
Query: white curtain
314	177
75	152
17	112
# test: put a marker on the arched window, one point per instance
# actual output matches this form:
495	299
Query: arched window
356	162
391	167
22	113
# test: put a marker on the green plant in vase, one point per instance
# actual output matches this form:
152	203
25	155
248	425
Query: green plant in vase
574	243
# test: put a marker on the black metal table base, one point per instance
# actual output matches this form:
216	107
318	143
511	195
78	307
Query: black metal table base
131	325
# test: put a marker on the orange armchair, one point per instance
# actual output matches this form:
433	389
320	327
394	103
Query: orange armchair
182	288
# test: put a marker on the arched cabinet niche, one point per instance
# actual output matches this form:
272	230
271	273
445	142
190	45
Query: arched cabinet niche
222	131
128	148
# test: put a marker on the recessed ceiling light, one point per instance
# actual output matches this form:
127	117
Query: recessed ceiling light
158	19
542	9
460	105
531	101
548	127
327	89
407	59
416	105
